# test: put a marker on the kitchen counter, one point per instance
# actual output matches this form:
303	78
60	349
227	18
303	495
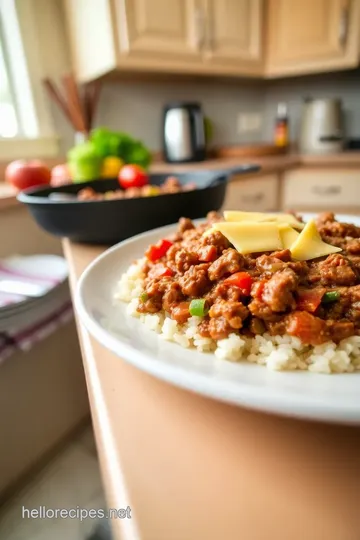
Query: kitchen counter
268	164
192	468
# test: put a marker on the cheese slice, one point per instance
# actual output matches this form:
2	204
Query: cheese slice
309	244
288	235
234	215
251	237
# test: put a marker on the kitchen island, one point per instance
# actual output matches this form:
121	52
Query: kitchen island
191	468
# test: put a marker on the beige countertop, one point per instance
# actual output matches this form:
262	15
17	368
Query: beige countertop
192	468
267	163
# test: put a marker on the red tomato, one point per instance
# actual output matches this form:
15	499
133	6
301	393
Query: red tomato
157	251
131	176
159	271
308	328
24	174
310	299
60	175
242	280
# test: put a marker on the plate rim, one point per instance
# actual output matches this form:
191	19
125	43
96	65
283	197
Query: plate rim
284	404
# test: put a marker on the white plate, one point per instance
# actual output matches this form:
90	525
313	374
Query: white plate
333	398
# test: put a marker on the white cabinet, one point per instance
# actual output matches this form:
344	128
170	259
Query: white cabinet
253	194
321	189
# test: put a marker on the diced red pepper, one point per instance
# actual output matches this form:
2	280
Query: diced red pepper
242	280
157	251
207	253
258	288
310	299
159	271
308	328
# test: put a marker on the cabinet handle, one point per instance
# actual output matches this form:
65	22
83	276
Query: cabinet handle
343	26
199	28
253	198
330	190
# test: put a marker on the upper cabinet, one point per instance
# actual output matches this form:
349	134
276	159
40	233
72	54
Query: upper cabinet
307	36
233	34
254	38
182	36
150	29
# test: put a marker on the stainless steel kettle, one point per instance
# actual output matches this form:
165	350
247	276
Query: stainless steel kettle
321	130
183	133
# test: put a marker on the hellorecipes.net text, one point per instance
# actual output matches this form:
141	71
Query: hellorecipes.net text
43	512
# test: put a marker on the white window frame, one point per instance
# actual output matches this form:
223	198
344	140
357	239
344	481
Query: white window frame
36	46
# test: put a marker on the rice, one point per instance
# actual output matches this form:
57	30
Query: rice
279	353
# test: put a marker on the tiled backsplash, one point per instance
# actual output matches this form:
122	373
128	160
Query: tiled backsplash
136	107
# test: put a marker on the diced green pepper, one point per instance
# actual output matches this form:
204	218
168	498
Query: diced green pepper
330	296
198	307
144	296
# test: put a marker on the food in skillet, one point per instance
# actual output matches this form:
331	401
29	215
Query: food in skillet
264	288
171	185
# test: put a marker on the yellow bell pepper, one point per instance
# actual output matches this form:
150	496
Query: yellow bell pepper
111	167
151	191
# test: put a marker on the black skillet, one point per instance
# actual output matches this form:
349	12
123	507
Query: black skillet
110	221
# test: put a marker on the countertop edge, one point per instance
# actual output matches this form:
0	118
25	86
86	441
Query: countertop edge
268	164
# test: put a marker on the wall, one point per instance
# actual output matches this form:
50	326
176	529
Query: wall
136	107
292	91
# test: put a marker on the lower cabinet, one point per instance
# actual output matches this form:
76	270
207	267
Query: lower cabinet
321	190
253	194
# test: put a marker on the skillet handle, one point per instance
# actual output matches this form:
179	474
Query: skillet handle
243	169
240	169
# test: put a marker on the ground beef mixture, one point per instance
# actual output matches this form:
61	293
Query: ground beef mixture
316	301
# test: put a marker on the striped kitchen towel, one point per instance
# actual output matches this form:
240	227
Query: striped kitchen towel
24	336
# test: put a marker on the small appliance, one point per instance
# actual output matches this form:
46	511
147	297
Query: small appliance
321	130
183	133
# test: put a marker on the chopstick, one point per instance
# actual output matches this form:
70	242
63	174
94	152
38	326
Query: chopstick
57	97
79	109
73	100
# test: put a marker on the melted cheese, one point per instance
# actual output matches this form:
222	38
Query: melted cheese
249	237
309	244
233	215
288	235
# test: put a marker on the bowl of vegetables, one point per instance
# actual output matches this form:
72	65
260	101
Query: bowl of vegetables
102	156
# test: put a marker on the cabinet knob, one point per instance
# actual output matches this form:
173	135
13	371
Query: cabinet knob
253	198
328	190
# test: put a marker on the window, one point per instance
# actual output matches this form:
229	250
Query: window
9	126
26	31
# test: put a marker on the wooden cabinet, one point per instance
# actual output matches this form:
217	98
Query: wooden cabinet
157	29
234	33
183	36
321	189
305	36
253	194
213	37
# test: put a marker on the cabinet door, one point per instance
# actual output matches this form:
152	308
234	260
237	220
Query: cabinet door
159	29
90	31
312	35
253	194
321	189
234	29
